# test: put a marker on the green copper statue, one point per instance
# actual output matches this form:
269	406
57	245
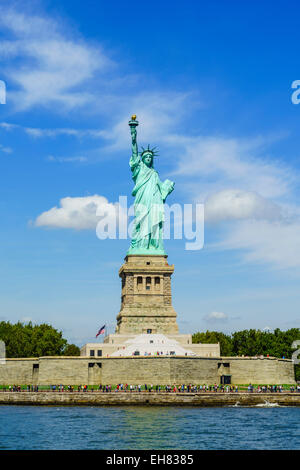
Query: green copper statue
150	194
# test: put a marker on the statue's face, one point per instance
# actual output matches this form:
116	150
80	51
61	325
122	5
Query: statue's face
148	158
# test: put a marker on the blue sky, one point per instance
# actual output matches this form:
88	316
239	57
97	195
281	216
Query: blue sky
211	85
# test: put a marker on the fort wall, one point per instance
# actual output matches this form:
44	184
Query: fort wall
151	370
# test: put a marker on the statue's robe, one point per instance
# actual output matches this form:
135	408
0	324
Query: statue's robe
150	194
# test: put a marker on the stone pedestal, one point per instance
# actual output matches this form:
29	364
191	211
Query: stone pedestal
146	302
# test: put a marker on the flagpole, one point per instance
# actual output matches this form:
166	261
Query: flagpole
104	331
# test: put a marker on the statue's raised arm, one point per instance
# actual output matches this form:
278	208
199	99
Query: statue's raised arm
133	123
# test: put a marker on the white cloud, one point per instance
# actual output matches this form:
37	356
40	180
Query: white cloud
216	317
80	159
234	204
77	213
5	149
7	126
55	67
37	132
158	112
219	163
276	243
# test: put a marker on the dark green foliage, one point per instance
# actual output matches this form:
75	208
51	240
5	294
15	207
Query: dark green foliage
254	343
71	350
28	340
215	337
257	342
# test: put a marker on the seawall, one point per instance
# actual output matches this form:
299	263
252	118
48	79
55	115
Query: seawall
149	398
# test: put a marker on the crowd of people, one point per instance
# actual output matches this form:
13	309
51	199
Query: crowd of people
272	388
18	388
182	388
202	388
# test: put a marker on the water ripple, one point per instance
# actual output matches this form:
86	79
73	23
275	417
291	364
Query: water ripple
236	427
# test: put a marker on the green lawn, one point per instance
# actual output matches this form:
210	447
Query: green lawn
113	387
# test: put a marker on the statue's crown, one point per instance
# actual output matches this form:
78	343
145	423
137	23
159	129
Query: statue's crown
153	151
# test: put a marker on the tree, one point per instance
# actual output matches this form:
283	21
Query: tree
28	340
71	350
247	343
215	337
254	343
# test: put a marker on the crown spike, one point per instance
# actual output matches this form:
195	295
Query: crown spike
153	150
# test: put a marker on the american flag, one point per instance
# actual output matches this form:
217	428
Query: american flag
101	331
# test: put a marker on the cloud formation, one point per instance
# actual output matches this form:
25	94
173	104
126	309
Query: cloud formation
219	162
79	159
56	68
5	149
262	241
216	317
37	132
236	204
79	213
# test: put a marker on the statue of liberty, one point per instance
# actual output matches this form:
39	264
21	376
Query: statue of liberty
150	194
